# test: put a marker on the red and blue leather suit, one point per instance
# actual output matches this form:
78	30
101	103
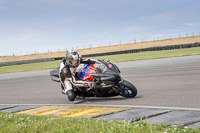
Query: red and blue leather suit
68	78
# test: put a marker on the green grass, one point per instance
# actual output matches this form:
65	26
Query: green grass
151	55
14	123
30	67
112	58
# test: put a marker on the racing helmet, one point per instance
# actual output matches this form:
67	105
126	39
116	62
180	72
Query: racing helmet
72	58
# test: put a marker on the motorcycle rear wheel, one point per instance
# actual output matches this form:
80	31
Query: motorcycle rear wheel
127	89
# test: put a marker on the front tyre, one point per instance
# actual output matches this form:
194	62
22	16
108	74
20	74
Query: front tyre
127	89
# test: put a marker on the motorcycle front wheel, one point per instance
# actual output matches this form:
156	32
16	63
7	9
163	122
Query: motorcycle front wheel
127	89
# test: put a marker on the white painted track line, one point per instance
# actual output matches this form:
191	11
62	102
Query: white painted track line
122	106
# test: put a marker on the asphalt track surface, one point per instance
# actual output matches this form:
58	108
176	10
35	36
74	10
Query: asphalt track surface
169	82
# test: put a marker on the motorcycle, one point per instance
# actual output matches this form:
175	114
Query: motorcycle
106	76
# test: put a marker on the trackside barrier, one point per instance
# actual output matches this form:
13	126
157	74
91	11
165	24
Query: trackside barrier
146	49
26	61
104	54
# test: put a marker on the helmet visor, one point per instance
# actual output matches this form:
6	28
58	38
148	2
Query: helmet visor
74	62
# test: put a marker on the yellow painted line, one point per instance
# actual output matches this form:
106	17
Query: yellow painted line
72	111
65	110
95	111
39	110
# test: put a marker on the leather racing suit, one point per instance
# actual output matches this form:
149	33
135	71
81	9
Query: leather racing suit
67	75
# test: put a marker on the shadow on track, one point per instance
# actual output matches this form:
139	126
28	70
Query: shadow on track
101	99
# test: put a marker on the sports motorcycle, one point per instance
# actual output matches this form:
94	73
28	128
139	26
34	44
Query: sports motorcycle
106	77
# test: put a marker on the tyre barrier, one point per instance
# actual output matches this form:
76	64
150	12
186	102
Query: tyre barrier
26	61
169	47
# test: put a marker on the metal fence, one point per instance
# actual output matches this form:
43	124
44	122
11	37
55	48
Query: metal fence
171	47
146	49
131	39
135	39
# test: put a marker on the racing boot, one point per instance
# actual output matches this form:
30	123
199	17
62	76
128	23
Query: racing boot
71	95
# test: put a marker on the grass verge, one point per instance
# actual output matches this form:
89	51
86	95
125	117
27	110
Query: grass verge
152	55
113	58
10	123
30	67
112	48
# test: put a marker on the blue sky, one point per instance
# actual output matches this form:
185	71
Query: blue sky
27	26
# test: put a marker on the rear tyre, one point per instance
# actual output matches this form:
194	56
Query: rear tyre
127	89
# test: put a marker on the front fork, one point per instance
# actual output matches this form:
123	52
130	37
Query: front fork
120	81
117	88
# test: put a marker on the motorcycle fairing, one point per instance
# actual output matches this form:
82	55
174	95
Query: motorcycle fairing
107	74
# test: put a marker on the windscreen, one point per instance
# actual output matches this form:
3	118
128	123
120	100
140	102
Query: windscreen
100	68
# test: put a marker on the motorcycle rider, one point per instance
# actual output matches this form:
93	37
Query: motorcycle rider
68	69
